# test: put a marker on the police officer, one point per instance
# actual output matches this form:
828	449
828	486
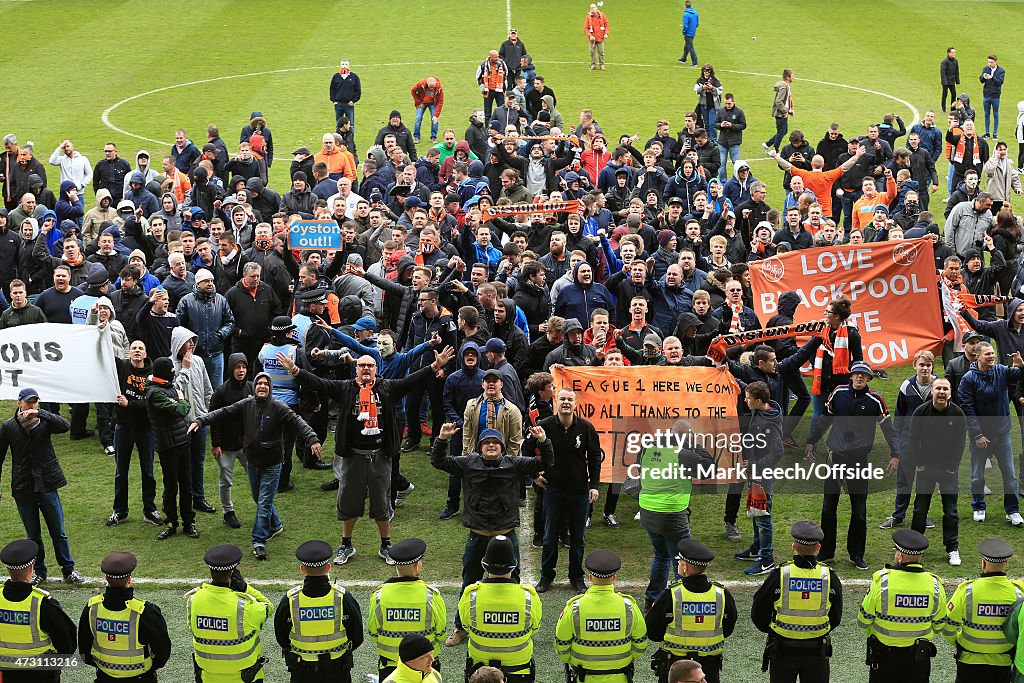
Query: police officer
501	616
123	637
904	607
798	605
977	613
602	632
318	624
692	617
33	622
416	661
405	605
225	617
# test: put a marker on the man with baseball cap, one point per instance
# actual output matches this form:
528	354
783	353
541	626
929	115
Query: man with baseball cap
125	638
852	411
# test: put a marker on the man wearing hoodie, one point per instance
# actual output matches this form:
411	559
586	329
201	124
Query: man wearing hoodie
583	295
266	423
191	378
258	126
403	136
141	166
782	109
110	173
460	387
737	188
70	205
690	23
968	224
226	437
139	196
102	212
572	352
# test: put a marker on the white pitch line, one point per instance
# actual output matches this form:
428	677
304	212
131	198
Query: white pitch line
508	15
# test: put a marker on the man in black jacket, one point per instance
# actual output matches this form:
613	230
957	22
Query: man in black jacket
490	481
167	407
365	439
253	303
949	75
110	172
36	476
226	437
264	422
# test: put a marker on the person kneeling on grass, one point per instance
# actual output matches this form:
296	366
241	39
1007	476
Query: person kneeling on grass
264	421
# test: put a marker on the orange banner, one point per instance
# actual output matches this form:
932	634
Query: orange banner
891	284
626	403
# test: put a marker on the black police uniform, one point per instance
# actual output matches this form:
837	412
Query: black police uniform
318	554
789	660
153	635
21	554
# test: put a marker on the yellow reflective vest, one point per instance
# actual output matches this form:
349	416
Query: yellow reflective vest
116	650
403	606
317	624
976	614
20	634
697	625
225	627
801	611
904	604
501	617
601	631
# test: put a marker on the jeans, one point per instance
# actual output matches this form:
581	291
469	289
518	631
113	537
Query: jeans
434	391
818	403
664	560
419	120
710	115
904	484
762	541
347	110
197	454
215	368
726	153
1000	447
688	49
848	200
490	99
288	444
105	422
991	105
795	385
558	506
263	485
856	534
177	477
927	480
48	503
473	553
949	180
125	438
226	463
781	128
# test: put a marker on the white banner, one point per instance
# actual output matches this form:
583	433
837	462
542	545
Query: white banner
64	363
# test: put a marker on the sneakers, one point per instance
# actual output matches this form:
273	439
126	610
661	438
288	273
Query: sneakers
231	519
154	518
987	491
1015	519
191	531
168	531
385	554
732	532
580	586
790	442
988	463
108	451
538	541
409	445
425	429
260	552
114	519
543	585
74	578
891	523
403	494
881	374
929	523
286	487
84	435
38	580
766	147
858	562
979	515
954	558
448	512
344	553
825	560
456	637
588	523
276	532
748	554
563	538
759	568
610	521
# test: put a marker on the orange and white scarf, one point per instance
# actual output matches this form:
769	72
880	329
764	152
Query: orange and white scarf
839	350
960	150
368	409
736	325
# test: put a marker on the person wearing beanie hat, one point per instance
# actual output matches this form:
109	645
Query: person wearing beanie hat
403	136
300	199
110	650
206	313
490	482
417	662
501	615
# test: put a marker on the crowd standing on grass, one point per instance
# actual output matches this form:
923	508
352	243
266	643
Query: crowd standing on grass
468	270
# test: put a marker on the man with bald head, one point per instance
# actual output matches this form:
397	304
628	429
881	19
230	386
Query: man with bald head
818	180
491	75
427	94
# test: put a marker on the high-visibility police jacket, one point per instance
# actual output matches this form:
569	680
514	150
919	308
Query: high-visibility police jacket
661	487
501	617
976	614
403	674
697	625
317	627
601	631
904	604
801	610
116	650
20	633
285	387
402	606
225	627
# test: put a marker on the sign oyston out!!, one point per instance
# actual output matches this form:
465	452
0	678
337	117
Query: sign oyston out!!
892	287
572	206
306	235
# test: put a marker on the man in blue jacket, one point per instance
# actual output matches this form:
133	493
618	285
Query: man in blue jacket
690	21
984	399
992	77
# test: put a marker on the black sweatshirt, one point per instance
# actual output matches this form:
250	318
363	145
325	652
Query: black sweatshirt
132	381
937	437
578	455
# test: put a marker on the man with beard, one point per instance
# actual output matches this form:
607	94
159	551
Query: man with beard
583	295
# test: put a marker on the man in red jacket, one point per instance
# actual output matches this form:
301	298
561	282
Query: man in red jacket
427	94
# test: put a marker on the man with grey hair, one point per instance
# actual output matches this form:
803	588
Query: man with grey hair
253	303
179	282
968	223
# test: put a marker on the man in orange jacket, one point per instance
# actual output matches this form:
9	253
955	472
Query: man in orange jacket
339	160
596	28
427	94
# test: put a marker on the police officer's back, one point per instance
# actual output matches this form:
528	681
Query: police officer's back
798	605
318	624
225	617
501	616
123	637
405	605
601	632
903	609
692	617
34	623
977	614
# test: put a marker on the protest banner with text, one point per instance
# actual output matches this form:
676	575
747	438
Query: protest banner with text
64	363
306	235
